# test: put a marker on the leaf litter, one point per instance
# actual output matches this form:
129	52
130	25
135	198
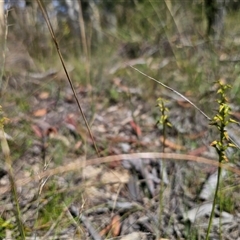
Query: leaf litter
120	199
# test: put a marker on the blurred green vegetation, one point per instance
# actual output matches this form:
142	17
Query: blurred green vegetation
164	39
168	35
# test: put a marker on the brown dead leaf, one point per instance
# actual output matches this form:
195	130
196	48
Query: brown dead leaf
43	95
105	230
136	129
37	130
77	145
172	145
184	104
114	227
43	129
40	112
236	115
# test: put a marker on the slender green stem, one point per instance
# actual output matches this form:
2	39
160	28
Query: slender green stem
220	120
214	202
162	183
165	123
8	163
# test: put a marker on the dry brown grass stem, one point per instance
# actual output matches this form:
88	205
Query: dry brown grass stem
172	90
82	162
45	15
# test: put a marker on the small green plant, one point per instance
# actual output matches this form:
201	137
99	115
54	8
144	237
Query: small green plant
226	201
165	123
221	120
164	120
5	224
52	208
